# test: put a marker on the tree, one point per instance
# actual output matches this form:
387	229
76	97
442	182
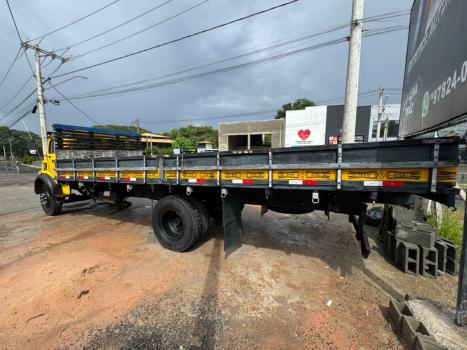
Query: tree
20	142
189	136
300	103
121	127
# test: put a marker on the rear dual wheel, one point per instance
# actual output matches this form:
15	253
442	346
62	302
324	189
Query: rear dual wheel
177	223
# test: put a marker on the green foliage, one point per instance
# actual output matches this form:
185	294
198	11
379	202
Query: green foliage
158	150
121	127
189	136
451	226
28	159
300	103
19	142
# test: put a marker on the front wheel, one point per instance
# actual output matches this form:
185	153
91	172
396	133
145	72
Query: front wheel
176	223
49	203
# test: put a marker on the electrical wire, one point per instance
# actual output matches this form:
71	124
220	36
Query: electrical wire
75	21
179	39
212	63
269	47
10	67
128	90
117	26
23	115
16	93
140	31
229	116
18	105
75	106
14	21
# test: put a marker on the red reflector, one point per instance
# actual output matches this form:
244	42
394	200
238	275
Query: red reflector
310	182
200	181
248	182
392	183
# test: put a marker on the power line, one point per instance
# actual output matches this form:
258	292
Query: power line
249	53
14	21
117	26
10	67
24	113
223	70
18	105
179	39
75	106
236	115
140	31
16	93
270	46
75	21
258	49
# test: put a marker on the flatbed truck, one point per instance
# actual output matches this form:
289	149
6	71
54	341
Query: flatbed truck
87	163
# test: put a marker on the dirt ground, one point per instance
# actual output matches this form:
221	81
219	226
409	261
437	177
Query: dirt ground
95	277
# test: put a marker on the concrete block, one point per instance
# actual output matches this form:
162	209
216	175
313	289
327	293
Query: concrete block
448	249
426	343
442	255
397	309
410	329
421	234
429	262
409	257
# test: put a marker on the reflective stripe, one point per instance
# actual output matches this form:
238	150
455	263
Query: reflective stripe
197	181
244	182
383	183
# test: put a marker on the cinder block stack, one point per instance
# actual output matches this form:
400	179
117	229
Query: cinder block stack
415	247
413	331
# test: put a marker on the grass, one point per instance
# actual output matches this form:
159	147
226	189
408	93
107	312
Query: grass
451	226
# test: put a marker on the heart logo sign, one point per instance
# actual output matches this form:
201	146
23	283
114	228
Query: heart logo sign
304	134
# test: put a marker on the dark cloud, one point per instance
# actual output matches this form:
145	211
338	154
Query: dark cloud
317	75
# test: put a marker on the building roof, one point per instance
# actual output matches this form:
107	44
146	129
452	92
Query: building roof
156	140
149	134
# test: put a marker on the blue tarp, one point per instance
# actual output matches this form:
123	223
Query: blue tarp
95	130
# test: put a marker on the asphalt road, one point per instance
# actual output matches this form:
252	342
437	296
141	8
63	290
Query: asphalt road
17	193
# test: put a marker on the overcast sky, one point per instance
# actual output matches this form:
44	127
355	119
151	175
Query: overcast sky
318	75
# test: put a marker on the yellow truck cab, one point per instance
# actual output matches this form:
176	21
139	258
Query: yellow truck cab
52	194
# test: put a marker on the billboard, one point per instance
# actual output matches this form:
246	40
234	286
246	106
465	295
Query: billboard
321	125
435	84
306	127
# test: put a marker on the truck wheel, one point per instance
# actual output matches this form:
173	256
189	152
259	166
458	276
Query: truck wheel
176	223
49	203
202	212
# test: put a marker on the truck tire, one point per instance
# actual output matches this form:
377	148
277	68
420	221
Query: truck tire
176	223
49	203
202	213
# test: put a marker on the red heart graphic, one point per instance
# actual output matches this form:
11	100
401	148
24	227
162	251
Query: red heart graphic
304	134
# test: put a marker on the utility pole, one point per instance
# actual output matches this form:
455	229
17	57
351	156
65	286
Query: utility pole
38	53
4	152
380	114
353	72
136	122
386	128
11	149
41	101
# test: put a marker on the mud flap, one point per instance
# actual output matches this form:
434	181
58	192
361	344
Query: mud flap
359	227
232	206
